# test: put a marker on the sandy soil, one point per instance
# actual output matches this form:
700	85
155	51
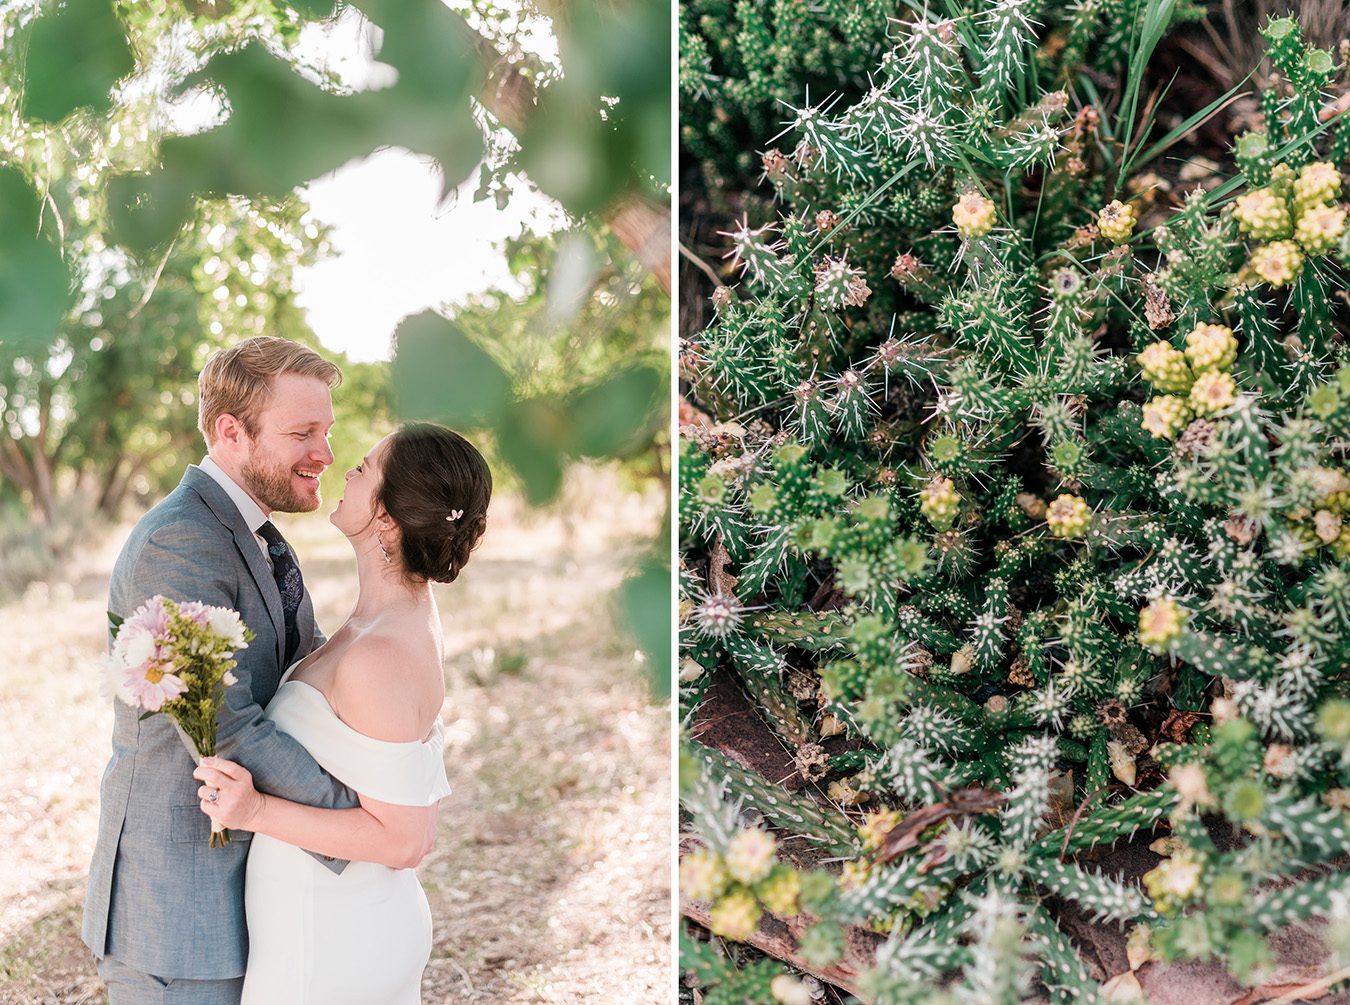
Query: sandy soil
552	878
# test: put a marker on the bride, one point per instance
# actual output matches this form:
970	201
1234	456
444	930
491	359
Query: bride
367	706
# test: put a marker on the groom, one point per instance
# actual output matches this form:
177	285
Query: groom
164	912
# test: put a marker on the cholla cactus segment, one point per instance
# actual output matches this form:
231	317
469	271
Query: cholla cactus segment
1211	347
998	970
1161	623
1166	415
1263	215
1316	183
1213	392
1165	368
939	502
838	285
973	215
1069	516
1320	228
736	915
718	615
1277	263
1104	899
750	856
1276	908
1115	221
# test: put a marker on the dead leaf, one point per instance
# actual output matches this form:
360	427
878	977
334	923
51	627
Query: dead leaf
1122	988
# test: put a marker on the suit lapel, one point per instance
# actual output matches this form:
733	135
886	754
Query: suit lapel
228	514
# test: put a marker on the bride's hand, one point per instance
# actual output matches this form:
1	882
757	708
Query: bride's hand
237	804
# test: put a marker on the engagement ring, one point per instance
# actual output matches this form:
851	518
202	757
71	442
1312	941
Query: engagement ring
214	795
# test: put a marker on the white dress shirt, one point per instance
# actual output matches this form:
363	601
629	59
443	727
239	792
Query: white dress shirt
248	509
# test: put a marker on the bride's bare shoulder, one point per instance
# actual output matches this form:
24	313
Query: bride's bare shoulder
383	687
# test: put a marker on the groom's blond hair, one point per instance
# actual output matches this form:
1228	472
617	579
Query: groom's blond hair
238	380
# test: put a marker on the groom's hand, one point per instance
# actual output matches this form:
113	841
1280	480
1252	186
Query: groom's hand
227	794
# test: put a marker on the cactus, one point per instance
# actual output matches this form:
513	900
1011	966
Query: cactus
795	814
1047	482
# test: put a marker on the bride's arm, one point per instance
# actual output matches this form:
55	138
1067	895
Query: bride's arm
374	690
392	835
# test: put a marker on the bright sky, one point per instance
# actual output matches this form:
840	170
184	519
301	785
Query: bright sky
395	252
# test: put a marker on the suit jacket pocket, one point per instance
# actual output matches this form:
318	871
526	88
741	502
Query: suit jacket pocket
191	826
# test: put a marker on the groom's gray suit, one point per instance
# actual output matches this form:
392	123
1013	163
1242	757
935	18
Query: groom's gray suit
160	901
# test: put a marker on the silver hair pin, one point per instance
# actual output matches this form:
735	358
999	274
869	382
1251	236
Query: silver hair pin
455	514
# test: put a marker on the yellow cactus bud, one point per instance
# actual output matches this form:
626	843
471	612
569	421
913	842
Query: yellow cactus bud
1069	516
1211	347
1175	880
974	215
1116	221
1165	367
1263	215
1212	392
1161	623
1317	182
1320	228
735	916
1166	415
702	875
939	502
1277	263
876	826
779	892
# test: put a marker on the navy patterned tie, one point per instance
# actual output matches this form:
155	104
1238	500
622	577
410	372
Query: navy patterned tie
286	571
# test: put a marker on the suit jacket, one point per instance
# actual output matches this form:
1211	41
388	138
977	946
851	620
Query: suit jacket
159	899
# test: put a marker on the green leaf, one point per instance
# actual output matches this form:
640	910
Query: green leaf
34	284
115	621
431	48
74	58
283	132
440	374
311	10
613	413
147	211
566	150
645	608
533	436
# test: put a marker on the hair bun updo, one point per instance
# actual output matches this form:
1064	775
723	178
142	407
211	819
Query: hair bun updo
429	473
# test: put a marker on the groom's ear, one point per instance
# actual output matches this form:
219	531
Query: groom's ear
229	430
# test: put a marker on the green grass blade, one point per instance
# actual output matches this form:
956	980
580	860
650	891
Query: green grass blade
1198	119
1156	17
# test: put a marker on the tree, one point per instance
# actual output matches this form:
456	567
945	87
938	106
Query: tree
112	187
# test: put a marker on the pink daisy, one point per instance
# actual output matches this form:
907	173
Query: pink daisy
151	686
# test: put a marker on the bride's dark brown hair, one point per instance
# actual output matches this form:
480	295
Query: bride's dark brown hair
431	473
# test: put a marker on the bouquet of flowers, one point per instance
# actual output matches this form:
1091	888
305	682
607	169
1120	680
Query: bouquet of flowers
176	658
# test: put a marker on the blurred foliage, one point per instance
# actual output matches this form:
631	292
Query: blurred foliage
549	393
535	352
149	156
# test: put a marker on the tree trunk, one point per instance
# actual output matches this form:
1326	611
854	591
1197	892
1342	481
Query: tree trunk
25	476
112	490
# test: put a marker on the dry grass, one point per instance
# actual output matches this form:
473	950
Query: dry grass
551	881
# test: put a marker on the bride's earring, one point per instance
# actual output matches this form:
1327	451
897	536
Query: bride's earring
383	550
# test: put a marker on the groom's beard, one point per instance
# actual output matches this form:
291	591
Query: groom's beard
273	488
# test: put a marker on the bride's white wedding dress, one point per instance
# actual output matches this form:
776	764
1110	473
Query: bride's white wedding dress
362	937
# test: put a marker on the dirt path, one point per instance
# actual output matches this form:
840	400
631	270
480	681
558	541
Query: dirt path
551	880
